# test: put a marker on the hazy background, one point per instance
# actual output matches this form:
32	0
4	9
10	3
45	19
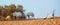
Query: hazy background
39	7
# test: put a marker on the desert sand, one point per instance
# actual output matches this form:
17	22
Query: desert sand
55	21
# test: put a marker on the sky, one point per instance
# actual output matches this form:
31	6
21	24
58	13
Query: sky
40	8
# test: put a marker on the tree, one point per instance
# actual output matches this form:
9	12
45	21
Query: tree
11	8
20	9
8	10
1	7
30	14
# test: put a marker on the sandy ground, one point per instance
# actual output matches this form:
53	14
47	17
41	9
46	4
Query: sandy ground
32	22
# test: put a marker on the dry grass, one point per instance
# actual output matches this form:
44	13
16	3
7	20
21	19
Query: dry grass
32	22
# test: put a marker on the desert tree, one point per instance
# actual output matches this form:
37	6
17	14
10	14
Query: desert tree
20	9
30	14
1	13
11	9
0	10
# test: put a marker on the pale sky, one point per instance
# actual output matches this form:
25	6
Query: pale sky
39	7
